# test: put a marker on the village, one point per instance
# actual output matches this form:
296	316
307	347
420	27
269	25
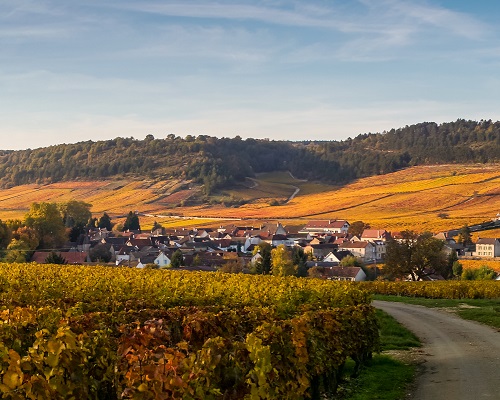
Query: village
325	243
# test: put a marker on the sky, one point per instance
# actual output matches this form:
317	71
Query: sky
73	71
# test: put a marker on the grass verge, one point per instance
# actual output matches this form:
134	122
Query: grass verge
384	377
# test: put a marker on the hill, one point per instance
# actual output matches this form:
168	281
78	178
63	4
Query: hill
421	198
222	163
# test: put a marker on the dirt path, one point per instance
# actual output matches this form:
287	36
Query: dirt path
462	358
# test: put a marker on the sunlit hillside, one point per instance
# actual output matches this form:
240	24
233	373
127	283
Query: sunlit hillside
422	198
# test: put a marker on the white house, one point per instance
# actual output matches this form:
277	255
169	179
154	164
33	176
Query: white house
162	260
487	247
336	256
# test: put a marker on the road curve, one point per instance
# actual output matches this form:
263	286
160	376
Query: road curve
462	358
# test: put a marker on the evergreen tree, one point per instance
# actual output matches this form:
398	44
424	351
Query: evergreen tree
264	264
105	222
132	222
299	259
54	258
177	259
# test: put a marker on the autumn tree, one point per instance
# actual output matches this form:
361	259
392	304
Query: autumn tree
27	235
46	220
357	228
415	256
17	251
100	253
75	213
281	262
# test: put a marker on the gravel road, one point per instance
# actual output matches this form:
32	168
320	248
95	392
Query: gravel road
462	358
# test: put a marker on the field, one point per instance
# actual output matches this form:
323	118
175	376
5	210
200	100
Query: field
109	333
421	198
475	264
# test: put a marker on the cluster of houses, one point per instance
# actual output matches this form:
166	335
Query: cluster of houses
326	242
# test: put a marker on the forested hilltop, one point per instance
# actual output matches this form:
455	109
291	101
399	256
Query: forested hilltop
218	162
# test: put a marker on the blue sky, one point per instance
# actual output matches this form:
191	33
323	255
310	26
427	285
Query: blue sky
87	70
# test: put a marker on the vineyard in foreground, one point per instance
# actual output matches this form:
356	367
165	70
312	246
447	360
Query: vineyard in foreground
108	333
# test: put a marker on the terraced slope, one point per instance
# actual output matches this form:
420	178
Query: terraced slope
421	198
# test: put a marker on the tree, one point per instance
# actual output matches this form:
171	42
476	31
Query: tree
177	259
232	267
132	222
464	236
357	228
5	235
27	235
315	272
100	253
415	256
75	213
263	266
457	269
299	259
483	273
105	222
46	220
156	227
18	251
54	258
350	261
281	262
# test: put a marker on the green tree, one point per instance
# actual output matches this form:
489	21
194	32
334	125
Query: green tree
457	269
156	226
299	259
75	213
100	253
264	264
415	256
196	260
105	222
54	258
5	236
18	251
132	222
485	273
177	259
350	261
281	262
46	220
464	236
